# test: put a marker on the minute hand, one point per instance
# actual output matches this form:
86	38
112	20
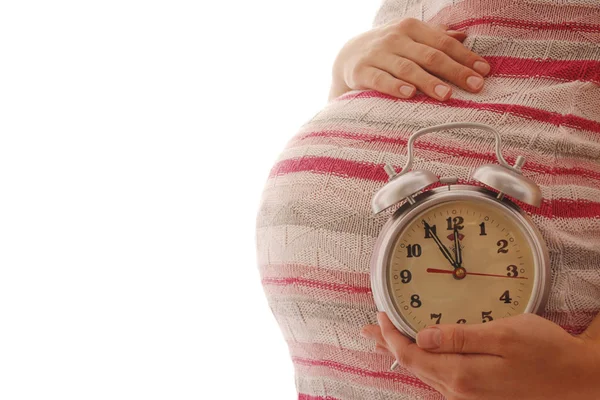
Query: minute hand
440	245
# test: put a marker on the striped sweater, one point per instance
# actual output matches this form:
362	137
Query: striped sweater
315	227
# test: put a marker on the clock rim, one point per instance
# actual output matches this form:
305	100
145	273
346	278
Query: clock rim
406	213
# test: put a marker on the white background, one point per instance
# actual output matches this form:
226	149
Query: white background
135	139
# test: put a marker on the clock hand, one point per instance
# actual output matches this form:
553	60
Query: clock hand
445	271
440	245
457	249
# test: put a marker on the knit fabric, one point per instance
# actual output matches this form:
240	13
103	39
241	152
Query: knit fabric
315	227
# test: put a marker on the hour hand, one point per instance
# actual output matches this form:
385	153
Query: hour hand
440	245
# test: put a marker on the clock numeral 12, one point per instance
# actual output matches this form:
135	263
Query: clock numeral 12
458	223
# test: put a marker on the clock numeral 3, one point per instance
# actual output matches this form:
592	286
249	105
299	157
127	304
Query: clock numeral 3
512	271
437	318
415	301
413	250
486	316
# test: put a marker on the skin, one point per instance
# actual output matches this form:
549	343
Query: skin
408	53
525	357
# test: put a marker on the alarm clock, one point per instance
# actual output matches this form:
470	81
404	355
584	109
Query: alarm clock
458	253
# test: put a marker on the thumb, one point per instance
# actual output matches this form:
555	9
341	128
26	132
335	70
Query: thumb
592	332
458	338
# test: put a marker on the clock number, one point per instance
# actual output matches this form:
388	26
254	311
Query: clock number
458	223
486	316
512	271
461	321
429	230
482	227
503	245
405	275
437	318
413	250
506	297
415	301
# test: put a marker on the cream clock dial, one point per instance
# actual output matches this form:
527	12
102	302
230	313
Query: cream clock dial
460	262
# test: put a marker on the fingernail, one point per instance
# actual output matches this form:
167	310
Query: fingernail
365	333
482	67
429	338
441	90
381	350
406	90
474	82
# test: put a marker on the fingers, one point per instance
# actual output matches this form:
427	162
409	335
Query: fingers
443	66
441	41
402	347
384	82
488	338
593	330
413	74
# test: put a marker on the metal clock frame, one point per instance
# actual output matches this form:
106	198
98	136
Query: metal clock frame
405	215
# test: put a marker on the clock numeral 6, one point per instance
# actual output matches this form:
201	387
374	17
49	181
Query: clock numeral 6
486	316
413	250
437	318
461	321
415	301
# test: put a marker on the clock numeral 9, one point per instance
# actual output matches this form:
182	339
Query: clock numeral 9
405	275
512	271
503	246
415	301
458	223
461	321
413	250
437	318
486	316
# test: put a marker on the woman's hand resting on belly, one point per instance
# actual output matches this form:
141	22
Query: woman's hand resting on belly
524	357
397	57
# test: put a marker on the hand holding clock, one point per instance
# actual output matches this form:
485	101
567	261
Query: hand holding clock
522	357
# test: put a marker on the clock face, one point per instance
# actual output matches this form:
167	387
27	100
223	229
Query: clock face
460	262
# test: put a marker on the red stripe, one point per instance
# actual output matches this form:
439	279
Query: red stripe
564	70
337	287
529	24
393	376
552	118
302	396
565	208
453	151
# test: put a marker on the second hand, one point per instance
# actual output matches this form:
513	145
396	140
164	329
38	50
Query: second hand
443	271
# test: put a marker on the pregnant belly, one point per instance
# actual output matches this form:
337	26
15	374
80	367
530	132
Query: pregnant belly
316	231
